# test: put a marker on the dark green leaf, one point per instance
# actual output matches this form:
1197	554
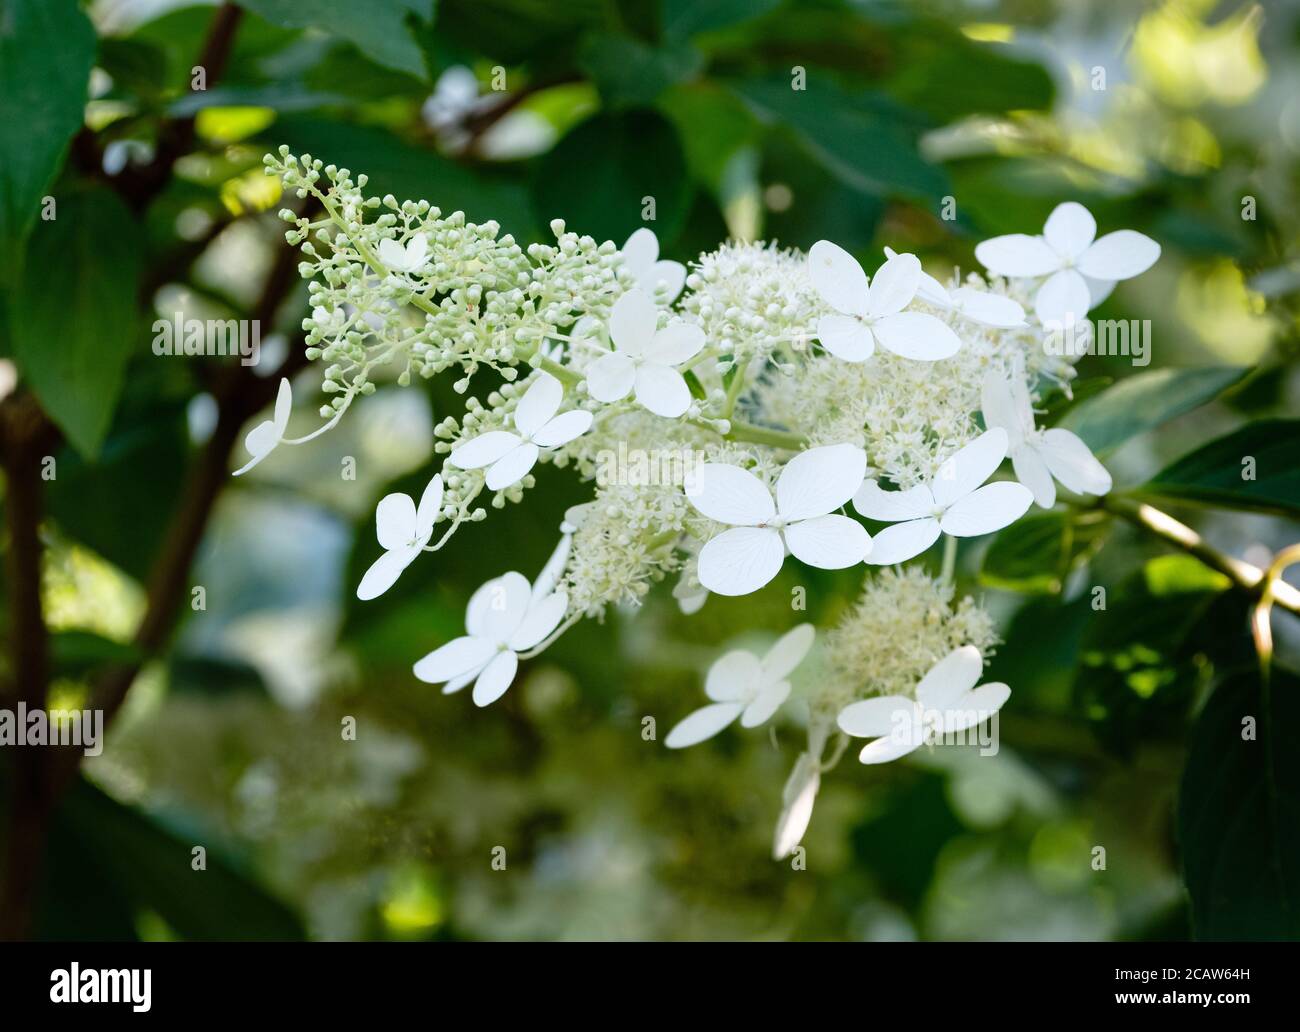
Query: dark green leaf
377	27
74	319
77	653
602	174
1239	811
859	138
1040	551
630	73
47	48
1145	401
1256	467
150	862
681	19
948	77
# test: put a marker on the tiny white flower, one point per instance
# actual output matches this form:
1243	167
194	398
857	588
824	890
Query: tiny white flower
797	801
688	591
644	358
403	530
509	456
742	685
978	305
262	439
1080	269
810	488
641	256
504	618
874	311
946	702
952	503
329	322
410	258
1038	456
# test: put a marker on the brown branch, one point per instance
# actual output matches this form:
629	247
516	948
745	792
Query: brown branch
26	436
139	185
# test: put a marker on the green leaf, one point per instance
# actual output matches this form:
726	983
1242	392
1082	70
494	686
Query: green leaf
1145	401
1239	811
1256	467
949	77
1041	551
681	19
377	27
74	318
860	138
78	653
630	73
407	172
599	176
47	49
150	862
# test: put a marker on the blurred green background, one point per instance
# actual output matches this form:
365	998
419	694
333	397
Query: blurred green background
1162	117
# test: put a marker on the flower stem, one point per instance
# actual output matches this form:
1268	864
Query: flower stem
748	432
1243	574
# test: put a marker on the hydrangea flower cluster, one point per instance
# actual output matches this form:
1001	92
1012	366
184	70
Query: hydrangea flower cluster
735	418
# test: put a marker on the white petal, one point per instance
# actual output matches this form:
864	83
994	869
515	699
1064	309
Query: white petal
975	707
741	560
395	520
484	449
831	542
1063	299
702	724
894	285
430	505
1070	229
675	343
662	390
838	278
260	441
730	494
787	653
991	508
671	274
951	677
1017	255
899	743
632	322
846	337
903	541
1099	290
872	718
917	336
417	249
566	427
385	570
543	617
734	677
768	702
498	608
1120	255
554	567
820	480
966	469
1072	463
610	377
512	467
540	402
640	252
801	793
283	406
989	309
496	678
1002	408
459	682
893	506
392	255
454	659
1032	471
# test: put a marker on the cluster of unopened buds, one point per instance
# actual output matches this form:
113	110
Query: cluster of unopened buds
926	387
